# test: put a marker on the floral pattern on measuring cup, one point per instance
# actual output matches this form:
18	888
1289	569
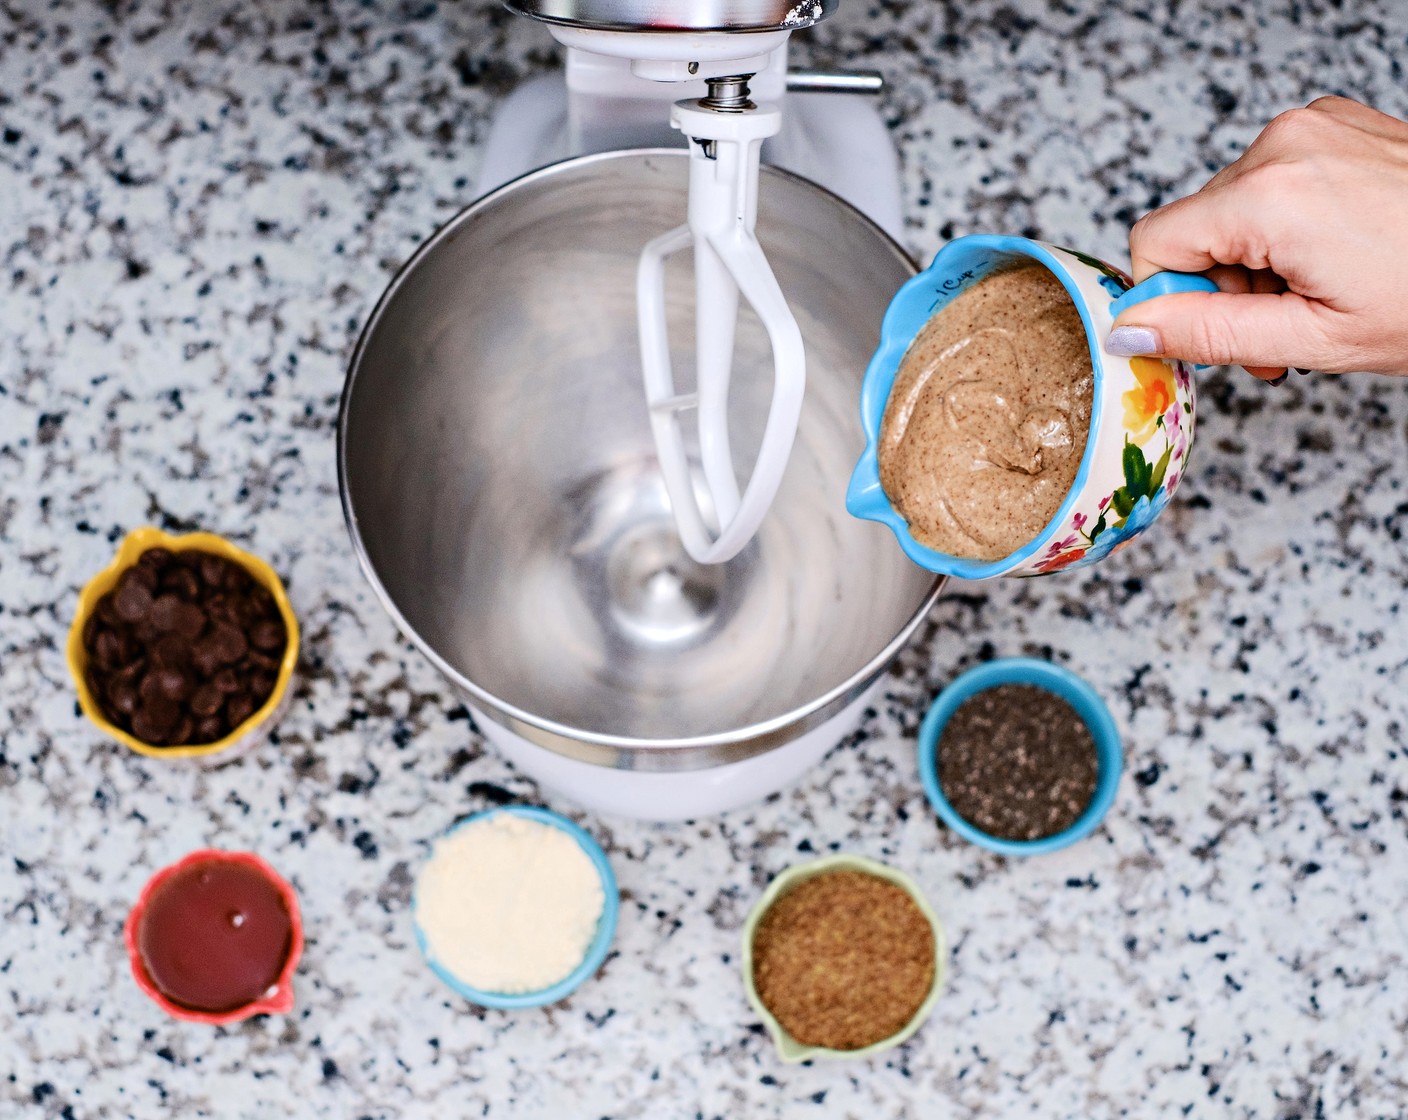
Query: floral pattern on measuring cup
1158	418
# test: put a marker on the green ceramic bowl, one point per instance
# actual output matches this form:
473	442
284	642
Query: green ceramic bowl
788	1047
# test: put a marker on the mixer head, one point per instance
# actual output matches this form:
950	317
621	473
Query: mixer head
678	15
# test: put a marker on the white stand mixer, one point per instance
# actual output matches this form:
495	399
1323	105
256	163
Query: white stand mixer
626	60
499	483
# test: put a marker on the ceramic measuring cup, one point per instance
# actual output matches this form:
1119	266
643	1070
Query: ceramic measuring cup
1141	419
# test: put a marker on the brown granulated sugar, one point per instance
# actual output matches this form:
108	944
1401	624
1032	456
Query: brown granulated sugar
843	960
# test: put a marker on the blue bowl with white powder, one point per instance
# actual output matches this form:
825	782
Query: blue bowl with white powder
456	902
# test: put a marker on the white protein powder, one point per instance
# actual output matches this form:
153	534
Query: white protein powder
508	904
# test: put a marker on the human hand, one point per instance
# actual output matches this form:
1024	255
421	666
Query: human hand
1306	235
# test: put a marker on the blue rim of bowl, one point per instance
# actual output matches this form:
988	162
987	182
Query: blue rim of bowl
596	951
912	307
1063	683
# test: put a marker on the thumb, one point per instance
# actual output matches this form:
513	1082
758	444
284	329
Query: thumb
1220	328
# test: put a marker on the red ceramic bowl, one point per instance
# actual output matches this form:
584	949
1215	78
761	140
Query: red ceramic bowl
278	1001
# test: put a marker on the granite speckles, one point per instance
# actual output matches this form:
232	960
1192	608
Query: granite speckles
204	203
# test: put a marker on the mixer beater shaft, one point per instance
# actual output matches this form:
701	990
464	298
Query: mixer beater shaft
726	130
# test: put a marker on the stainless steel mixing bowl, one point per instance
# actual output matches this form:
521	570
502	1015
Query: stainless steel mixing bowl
498	476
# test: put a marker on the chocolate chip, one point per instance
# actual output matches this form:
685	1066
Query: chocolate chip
146	728
181	581
221	609
106	610
143	574
131	600
145	631
123	697
207	700
107	650
174	684
156	558
224	645
90	630
261	686
171	613
165	611
267	635
183	732
239	708
191	621
153	719
267	662
226	680
171	651
150	687
215	571
209	730
131	672
204	659
246	614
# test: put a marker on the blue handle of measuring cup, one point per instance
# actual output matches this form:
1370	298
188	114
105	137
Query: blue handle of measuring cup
1162	284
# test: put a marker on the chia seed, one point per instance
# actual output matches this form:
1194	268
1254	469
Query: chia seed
1017	762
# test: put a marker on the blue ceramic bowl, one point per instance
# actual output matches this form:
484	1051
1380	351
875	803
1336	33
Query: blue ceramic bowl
596	951
1053	678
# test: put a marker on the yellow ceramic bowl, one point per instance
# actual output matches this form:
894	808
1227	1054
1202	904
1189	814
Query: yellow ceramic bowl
788	1048
133	545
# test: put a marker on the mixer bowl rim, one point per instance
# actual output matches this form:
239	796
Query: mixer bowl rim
550	734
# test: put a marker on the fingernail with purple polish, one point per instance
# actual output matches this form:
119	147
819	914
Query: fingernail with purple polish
1133	342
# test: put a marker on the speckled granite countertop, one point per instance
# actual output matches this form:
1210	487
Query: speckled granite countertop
201	204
